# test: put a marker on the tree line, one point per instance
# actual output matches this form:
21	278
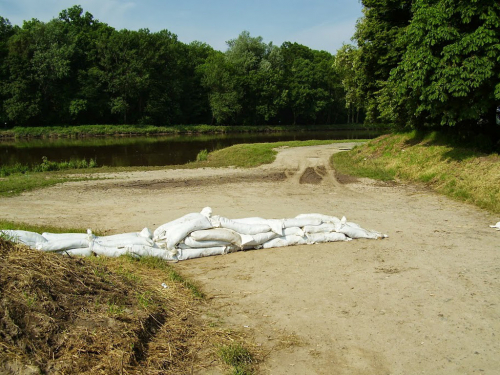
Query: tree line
77	70
414	64
426	63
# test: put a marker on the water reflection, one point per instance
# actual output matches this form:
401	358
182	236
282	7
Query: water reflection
149	151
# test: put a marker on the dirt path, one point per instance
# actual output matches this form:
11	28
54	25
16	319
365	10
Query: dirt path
425	300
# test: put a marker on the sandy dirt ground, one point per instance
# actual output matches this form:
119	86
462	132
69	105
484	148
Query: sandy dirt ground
426	300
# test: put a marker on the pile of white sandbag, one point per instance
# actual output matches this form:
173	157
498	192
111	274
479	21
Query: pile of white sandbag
200	234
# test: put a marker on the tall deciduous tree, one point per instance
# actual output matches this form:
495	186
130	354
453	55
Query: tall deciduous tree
378	35
6	32
450	72
347	62
311	86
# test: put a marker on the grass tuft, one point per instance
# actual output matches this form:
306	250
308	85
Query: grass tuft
236	356
202	155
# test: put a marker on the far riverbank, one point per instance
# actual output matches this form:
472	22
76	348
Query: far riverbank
82	131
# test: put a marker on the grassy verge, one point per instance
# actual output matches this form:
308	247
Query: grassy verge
459	172
16	184
103	130
243	155
46	166
255	154
6	224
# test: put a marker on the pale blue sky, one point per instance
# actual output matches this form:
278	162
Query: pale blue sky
318	24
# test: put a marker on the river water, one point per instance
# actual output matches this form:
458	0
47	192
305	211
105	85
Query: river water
151	150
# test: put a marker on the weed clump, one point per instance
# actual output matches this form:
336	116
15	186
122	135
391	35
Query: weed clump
202	155
238	357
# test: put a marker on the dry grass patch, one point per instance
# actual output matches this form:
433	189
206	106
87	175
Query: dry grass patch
103	316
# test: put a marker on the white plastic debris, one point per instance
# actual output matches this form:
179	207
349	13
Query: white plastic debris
496	226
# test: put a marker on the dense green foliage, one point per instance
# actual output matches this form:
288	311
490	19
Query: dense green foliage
427	63
378	34
76	70
417	63
450	71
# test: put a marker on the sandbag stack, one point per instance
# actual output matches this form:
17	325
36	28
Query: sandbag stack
200	234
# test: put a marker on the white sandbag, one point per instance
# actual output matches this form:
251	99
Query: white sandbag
108	251
163	254
218	234
301	222
241	228
83	252
259	239
323	218
251	220
125	239
275	224
358	232
207	212
65	243
65	236
25	237
190	242
285	241
161	232
134	250
323	228
151	251
146	233
186	254
293	231
174	233
326	237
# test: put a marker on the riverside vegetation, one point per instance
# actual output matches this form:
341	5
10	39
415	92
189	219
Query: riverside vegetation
20	178
456	170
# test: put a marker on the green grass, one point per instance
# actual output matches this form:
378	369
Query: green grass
254	154
457	171
238	357
16	184
202	155
6	225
